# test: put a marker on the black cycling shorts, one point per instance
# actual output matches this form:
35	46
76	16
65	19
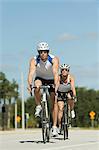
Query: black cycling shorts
59	98
47	82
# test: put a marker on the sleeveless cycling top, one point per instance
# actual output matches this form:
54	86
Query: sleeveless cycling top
64	86
44	69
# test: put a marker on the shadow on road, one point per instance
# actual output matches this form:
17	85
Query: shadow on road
60	138
35	142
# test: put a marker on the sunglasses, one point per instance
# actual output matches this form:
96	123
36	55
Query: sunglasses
65	70
40	52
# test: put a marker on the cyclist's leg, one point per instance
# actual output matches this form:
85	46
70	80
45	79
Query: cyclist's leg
71	104
60	112
37	93
54	113
37	96
54	105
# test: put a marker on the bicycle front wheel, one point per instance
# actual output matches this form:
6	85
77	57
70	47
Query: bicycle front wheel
45	124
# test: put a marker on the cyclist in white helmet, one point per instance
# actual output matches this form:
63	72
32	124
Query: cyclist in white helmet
66	84
45	66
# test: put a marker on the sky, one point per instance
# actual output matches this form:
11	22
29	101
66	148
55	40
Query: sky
70	27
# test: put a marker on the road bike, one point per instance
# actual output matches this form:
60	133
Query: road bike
66	119
45	114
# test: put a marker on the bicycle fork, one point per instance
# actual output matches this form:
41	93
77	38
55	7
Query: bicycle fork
45	102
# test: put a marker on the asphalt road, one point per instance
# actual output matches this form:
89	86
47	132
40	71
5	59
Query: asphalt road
32	140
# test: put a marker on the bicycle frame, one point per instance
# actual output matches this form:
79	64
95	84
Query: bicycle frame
65	118
45	114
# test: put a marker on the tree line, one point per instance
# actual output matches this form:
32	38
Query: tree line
88	101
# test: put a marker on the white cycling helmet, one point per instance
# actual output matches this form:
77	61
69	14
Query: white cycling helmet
43	46
65	66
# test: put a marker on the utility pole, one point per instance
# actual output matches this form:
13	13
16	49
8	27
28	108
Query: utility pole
22	94
15	115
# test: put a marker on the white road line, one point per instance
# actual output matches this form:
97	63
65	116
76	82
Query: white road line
70	146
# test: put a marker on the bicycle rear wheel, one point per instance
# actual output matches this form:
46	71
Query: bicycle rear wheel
65	122
45	123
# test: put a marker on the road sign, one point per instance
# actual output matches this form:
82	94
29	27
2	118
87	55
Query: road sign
18	119
92	114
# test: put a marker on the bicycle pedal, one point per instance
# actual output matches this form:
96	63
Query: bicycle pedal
60	133
37	116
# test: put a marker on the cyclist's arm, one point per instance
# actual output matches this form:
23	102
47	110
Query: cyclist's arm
73	86
55	62
32	68
59	78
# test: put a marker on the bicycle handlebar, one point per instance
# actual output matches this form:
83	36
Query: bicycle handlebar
64	95
41	87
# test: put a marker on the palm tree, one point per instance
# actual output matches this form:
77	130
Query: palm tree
8	91
11	94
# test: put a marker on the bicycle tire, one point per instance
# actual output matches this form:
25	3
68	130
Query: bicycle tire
45	124
65	122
